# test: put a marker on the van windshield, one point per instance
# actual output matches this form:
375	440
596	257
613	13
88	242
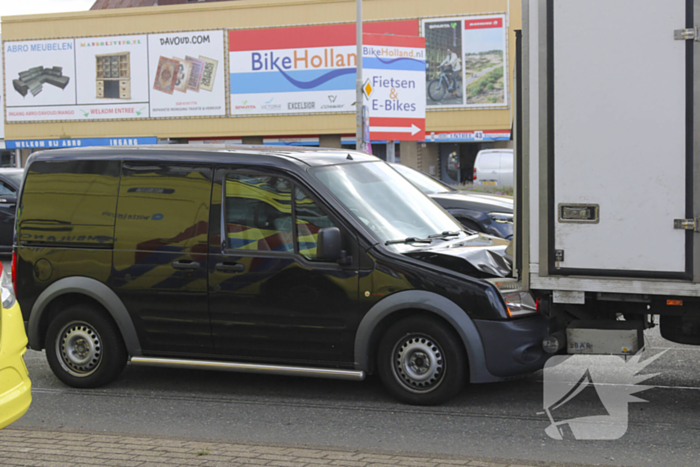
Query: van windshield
386	203
424	183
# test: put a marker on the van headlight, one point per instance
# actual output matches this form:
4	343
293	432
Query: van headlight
501	217
519	303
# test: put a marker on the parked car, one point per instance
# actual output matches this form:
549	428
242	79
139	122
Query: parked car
15	386
10	181
322	263
494	167
475	211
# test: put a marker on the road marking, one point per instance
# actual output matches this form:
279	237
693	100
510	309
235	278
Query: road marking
652	386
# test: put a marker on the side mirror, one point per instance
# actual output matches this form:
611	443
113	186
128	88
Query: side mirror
328	244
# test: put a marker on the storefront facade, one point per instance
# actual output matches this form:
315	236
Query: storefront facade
279	72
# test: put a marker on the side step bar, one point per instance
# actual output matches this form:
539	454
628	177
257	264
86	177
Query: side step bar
249	368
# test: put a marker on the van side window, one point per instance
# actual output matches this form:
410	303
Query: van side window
262	214
259	213
163	207
70	202
310	219
6	189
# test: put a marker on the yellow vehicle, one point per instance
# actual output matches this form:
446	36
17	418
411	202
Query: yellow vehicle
15	386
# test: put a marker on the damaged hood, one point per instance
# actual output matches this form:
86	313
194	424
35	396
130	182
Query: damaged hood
478	255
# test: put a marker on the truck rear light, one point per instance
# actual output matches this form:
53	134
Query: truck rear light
474	173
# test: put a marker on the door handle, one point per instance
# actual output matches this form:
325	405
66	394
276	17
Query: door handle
185	264
230	267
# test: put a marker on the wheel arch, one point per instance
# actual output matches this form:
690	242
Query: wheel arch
412	302
80	290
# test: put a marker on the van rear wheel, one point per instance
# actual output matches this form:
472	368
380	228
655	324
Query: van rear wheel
84	347
422	361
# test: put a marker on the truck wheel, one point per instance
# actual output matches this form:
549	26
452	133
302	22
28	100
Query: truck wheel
422	361
84	347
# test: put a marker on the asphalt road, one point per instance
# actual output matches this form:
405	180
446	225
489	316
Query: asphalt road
501	420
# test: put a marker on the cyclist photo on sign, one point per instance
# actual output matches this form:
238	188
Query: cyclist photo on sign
450	66
447	87
444	83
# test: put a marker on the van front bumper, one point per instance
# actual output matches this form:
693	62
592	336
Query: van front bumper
514	348
15	385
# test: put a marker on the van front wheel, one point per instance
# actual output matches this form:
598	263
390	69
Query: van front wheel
422	361
84	347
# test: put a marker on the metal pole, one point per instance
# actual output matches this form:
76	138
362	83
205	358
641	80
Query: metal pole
359	99
391	151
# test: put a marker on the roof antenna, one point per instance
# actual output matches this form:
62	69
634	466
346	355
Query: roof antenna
349	158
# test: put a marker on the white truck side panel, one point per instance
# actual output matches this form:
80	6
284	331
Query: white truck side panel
534	134
620	132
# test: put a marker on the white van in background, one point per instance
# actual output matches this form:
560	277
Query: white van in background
494	167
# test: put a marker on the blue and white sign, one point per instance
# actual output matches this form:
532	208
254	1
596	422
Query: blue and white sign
300	69
394	68
78	143
468	136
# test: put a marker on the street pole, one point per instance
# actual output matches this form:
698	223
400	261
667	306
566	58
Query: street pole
391	151
359	99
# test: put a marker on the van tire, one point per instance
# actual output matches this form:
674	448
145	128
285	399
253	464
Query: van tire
84	347
422	361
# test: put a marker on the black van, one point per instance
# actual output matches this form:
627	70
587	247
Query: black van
323	263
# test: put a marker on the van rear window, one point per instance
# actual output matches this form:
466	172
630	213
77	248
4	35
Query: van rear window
69	202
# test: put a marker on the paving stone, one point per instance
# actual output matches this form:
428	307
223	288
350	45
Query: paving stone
347	463
306	453
313	460
43	448
344	456
287	464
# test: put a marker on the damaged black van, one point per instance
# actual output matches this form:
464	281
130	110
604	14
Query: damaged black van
322	263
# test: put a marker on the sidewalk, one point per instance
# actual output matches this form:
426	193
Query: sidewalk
39	448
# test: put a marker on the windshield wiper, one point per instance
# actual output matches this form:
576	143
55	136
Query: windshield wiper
445	235
409	240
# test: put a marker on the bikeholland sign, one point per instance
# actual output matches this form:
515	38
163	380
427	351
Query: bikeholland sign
394	68
298	70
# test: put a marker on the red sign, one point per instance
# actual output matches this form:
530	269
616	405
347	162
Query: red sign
485	23
397	129
324	35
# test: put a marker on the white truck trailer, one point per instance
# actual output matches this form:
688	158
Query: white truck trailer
608	169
